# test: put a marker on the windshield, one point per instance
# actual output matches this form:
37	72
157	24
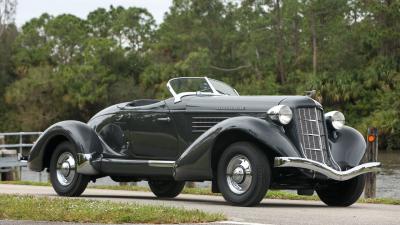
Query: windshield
223	88
190	84
183	86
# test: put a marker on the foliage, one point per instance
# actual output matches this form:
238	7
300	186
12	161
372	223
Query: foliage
69	68
65	67
92	211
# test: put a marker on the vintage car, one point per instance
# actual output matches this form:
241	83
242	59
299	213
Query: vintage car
206	131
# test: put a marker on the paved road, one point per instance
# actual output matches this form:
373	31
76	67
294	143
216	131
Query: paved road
26	222
268	212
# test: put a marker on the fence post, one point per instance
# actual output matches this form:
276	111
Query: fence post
19	169
1	153
371	155
12	172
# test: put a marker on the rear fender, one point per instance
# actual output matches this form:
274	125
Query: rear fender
79	134
196	162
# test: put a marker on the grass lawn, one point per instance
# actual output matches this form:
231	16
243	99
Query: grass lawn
15	207
272	194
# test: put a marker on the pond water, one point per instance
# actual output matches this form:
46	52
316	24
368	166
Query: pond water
388	181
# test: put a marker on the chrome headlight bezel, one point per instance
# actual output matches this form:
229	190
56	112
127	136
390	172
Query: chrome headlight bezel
335	119
281	113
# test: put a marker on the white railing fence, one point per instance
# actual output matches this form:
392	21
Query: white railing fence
21	142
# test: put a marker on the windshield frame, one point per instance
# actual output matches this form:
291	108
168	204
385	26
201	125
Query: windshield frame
178	97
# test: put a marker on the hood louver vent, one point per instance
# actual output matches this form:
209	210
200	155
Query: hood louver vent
201	124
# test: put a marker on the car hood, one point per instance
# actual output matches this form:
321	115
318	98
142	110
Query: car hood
230	103
245	103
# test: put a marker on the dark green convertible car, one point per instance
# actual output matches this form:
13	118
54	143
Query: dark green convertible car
206	131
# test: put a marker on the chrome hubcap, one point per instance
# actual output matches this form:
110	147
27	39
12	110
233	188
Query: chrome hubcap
66	168
238	174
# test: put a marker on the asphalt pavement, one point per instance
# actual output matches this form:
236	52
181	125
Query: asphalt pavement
270	211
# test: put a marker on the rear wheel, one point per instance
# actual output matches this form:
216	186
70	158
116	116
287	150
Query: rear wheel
344	193
244	174
63	176
166	188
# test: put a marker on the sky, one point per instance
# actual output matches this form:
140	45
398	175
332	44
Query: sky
28	9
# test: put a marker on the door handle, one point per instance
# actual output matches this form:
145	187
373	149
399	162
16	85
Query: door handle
119	117
164	119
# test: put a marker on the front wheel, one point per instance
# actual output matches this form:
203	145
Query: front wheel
63	176
166	188
344	193
244	174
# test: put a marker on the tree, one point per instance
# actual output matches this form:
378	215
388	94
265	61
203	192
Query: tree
65	67
70	67
7	14
8	33
132	28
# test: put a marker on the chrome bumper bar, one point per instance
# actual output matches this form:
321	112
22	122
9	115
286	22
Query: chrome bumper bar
326	170
84	165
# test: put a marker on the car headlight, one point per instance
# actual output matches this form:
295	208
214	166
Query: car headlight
281	113
335	119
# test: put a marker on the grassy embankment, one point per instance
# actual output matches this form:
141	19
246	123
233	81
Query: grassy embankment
273	194
13	207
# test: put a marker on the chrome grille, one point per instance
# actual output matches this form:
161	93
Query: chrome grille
311	132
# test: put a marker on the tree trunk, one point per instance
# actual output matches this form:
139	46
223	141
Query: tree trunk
280	64
296	40
256	65
314	43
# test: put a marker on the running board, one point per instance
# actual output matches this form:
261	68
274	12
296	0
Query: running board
303	163
124	167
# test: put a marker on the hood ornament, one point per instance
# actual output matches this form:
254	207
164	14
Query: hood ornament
311	93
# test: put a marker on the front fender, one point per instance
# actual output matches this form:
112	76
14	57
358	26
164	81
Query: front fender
195	162
80	134
348	148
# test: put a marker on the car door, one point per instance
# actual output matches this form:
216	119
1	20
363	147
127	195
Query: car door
150	132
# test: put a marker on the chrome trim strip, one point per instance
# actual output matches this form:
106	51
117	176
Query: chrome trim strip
152	163
211	117
303	163
199	131
83	164
211	86
161	163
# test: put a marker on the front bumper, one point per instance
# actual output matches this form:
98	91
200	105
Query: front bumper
326	170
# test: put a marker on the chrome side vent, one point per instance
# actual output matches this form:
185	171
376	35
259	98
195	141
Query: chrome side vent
311	133
201	124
